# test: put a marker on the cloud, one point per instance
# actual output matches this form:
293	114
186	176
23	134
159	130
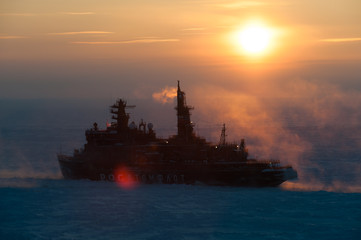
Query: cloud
166	95
247	4
12	37
336	40
81	32
193	29
19	14
78	13
242	4
36	14
147	40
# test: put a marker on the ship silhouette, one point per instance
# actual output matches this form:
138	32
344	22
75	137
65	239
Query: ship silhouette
130	154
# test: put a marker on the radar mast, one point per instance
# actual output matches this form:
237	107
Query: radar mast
185	126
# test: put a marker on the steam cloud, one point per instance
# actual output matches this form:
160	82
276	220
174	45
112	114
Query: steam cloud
166	95
267	115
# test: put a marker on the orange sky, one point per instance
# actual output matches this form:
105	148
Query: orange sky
184	30
106	49
135	48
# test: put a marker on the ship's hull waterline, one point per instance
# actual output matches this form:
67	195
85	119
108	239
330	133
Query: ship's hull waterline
240	174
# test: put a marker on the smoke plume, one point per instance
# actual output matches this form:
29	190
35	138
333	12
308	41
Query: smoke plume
166	95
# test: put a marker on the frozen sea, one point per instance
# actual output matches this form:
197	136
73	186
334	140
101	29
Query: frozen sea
36	203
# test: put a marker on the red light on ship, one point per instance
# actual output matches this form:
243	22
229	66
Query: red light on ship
125	178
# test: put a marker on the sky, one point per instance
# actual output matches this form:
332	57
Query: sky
54	48
86	49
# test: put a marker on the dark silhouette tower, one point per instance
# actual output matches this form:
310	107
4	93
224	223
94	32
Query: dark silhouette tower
185	126
119	114
222	140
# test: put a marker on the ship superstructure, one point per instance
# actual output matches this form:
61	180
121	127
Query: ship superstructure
131	153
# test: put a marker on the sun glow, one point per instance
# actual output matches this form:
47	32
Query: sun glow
254	39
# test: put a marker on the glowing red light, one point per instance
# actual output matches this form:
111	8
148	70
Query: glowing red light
125	178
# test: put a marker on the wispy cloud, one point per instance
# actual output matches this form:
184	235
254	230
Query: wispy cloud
336	40
78	13
242	4
157	40
81	32
194	29
12	37
45	14
19	14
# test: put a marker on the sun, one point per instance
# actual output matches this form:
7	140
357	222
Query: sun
254	39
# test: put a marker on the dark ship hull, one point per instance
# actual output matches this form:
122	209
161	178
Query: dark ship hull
130	155
240	174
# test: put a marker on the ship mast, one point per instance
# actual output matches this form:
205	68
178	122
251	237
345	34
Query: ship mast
184	124
119	114
222	140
